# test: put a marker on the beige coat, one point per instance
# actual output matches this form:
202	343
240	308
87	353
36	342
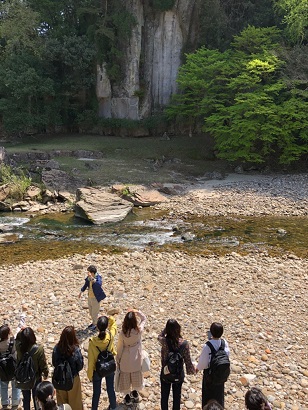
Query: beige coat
129	349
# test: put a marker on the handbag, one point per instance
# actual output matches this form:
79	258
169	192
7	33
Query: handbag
117	380
146	363
105	364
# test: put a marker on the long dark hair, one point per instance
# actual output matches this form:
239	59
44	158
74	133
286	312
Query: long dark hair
256	400
130	322
102	324
68	341
44	393
173	332
27	339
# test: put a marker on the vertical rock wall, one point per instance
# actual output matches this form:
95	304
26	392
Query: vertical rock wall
153	55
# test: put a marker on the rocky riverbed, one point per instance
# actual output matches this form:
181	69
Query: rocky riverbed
261	300
249	195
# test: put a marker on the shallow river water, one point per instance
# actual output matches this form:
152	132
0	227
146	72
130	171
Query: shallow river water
56	235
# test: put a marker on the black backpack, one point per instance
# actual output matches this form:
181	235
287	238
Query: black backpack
25	376
7	363
62	377
105	364
219	369
173	371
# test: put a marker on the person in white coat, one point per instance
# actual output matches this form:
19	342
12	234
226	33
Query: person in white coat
129	356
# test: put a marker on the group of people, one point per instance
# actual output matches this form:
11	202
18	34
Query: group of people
129	356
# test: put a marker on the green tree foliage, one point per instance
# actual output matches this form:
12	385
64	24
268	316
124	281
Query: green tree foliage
295	16
221	20
244	99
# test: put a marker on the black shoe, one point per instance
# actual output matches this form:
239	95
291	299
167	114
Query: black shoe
128	400
134	395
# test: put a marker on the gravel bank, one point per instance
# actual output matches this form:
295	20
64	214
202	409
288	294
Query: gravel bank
262	302
249	195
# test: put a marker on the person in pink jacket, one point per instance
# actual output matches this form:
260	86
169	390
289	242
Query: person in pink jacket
129	356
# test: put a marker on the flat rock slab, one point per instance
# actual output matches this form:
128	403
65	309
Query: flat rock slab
100	206
139	195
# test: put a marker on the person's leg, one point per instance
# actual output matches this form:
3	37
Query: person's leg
4	393
15	395
26	398
218	394
212	392
74	395
165	391
62	397
95	310
36	405
110	391
176	391
97	387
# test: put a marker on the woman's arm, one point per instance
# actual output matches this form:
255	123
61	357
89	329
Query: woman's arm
142	318
42	362
91	360
161	336
78	359
120	347
98	279
112	325
190	368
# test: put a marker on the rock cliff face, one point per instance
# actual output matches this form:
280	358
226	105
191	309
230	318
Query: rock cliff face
152	58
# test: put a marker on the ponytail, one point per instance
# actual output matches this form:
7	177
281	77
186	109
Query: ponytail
50	404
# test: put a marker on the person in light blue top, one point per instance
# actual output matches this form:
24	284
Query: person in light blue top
93	282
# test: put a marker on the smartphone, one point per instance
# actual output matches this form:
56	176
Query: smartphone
209	335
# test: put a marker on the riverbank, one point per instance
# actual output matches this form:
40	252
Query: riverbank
261	300
240	194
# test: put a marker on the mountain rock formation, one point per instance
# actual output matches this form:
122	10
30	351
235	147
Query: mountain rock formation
152	56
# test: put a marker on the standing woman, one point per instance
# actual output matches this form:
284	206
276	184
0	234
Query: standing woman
93	282
45	393
26	341
68	349
129	356
171	340
104	340
7	345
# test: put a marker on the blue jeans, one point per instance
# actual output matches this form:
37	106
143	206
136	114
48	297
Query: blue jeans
165	392
97	388
5	394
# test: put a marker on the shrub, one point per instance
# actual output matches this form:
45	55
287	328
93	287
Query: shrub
16	179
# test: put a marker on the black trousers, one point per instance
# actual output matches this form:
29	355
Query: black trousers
165	392
212	392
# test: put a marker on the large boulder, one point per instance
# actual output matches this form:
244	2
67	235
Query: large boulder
99	206
58	180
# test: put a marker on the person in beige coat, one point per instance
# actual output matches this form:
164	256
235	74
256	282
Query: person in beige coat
129	356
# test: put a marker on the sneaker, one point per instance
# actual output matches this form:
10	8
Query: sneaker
127	400
5	407
134	396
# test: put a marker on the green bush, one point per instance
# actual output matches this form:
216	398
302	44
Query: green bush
16	179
